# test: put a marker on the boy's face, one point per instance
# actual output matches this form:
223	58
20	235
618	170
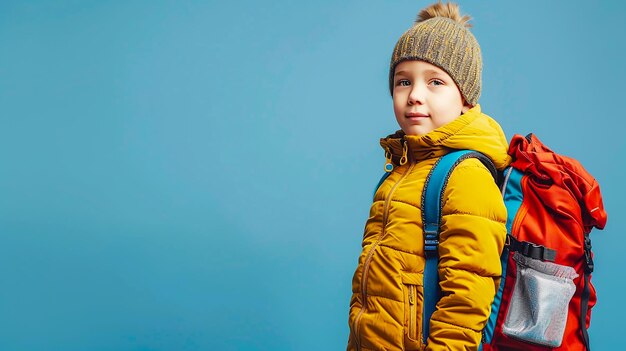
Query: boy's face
425	97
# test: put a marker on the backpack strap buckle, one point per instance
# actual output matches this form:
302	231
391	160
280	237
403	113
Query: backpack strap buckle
532	250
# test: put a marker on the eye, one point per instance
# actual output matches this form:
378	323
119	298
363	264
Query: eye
437	82
403	83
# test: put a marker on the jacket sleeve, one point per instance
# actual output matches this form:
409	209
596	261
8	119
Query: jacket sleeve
472	236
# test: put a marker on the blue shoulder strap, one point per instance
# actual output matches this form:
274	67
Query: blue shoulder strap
432	203
512	195
382	179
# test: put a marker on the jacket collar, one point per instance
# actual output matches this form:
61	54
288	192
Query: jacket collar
472	130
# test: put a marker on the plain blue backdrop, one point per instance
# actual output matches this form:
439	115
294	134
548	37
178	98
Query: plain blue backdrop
193	175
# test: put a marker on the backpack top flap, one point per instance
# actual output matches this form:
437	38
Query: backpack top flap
544	166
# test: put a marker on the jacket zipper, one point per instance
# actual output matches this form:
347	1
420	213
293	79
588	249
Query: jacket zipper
412	321
369	258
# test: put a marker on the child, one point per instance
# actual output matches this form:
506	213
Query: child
435	82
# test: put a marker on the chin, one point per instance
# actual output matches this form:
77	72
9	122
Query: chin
413	131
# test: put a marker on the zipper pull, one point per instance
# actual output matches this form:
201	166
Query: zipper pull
405	149
411	299
388	164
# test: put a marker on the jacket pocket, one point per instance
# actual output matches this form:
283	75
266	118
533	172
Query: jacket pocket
413	284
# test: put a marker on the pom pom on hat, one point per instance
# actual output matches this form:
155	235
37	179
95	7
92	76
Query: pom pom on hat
449	10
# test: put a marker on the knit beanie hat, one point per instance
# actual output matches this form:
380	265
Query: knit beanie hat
440	36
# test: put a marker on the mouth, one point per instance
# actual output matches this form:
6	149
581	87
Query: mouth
415	115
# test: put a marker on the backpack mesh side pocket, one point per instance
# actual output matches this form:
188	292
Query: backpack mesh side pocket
539	304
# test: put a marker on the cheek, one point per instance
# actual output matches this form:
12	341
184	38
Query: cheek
450	103
397	106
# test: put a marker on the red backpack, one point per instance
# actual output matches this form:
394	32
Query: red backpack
545	296
553	205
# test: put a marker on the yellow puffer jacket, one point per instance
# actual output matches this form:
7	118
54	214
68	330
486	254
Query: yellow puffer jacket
387	300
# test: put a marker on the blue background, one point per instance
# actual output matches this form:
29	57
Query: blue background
196	175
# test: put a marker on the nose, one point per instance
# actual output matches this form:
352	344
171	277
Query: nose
416	96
